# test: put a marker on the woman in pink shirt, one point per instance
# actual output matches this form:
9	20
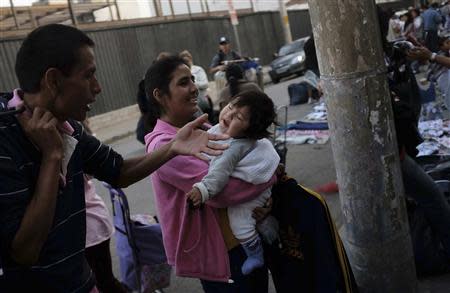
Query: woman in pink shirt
198	243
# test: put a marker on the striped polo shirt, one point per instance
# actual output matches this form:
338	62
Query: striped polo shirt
61	266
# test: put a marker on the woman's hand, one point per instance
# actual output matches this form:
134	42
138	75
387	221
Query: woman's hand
191	140
260	213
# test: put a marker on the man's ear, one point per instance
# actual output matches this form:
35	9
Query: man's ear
51	81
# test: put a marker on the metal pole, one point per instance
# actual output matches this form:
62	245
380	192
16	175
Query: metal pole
252	5
110	9
13	10
202	7
171	8
376	231
189	8
158	9
117	10
72	15
285	22
207	7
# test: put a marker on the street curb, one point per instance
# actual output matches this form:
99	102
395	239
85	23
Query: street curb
115	138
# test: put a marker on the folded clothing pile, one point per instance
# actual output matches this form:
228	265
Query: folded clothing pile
436	135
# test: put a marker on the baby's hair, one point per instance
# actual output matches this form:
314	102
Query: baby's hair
262	112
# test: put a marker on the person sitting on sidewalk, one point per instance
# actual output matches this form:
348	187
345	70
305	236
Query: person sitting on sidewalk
202	83
235	84
225	53
44	153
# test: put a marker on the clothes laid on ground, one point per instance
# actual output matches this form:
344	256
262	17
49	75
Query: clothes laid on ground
301	125
306	136
312	129
436	134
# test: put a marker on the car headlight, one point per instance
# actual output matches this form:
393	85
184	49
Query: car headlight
297	59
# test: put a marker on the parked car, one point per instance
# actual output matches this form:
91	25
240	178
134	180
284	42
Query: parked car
289	60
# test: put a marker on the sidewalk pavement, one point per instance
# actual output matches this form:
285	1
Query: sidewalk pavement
115	125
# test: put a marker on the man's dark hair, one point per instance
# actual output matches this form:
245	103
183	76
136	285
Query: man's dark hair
435	5
49	46
262	113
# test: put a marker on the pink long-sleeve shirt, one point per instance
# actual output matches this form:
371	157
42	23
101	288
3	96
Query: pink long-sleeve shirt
192	238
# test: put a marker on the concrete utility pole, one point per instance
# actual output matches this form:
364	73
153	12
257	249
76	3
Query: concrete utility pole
376	232
285	22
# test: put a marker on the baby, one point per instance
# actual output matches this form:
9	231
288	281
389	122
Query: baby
250	157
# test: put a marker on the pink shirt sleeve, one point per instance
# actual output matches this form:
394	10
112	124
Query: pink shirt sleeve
183	172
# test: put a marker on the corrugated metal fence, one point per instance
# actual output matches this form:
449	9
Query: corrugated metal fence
123	54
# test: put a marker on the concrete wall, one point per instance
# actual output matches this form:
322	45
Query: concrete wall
124	53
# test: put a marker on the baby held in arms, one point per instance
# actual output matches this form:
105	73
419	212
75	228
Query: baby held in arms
250	157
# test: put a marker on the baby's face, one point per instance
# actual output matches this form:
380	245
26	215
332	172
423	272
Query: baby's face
234	121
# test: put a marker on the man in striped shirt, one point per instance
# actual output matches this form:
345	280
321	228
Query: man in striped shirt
44	152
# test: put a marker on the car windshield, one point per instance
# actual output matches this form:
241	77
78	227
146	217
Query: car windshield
291	48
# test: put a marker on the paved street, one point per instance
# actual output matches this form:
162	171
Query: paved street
311	165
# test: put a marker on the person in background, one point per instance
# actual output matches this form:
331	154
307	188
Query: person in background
201	81
408	26
312	65
418	25
431	21
220	61
235	85
225	53
162	55
394	28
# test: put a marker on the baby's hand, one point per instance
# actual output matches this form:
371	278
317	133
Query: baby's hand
195	197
